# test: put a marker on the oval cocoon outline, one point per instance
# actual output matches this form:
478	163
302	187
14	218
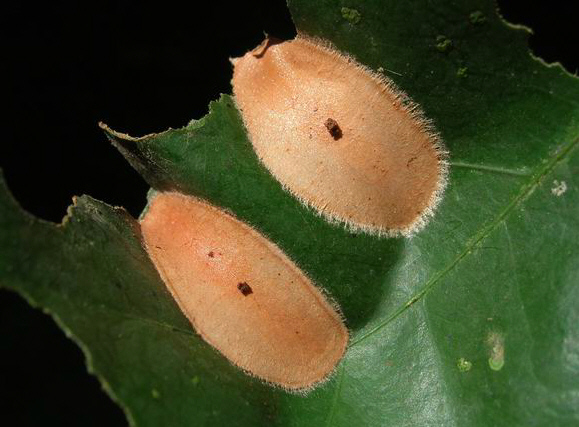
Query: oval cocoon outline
242	294
339	137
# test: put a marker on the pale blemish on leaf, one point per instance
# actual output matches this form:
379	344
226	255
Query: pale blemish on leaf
496	345
351	15
341	138
155	393
443	43
249	300
496	364
334	128
559	188
463	365
477	18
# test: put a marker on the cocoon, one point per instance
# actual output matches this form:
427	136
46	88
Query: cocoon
242	294
340	137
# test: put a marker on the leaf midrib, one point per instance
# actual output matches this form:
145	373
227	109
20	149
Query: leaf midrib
526	189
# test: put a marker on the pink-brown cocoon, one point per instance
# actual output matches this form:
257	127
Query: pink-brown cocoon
339	137
242	294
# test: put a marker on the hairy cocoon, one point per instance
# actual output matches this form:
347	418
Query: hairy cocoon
339	137
242	294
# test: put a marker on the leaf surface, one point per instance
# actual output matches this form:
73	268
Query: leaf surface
471	322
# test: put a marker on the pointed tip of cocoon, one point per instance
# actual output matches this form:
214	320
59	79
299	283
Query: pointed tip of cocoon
242	294
341	138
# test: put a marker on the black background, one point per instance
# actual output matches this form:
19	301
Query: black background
140	68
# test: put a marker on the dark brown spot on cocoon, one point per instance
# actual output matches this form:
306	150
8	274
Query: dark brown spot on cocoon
333	128
244	288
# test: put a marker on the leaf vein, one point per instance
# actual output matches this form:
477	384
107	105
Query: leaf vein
337	393
492	169
525	191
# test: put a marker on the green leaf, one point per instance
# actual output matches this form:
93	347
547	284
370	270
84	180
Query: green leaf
471	322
